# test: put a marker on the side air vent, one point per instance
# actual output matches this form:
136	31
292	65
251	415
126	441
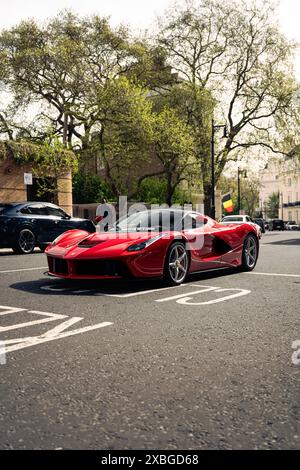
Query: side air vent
220	247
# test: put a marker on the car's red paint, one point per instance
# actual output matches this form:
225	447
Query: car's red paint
76	253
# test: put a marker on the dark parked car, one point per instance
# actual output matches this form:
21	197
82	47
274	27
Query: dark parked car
24	225
261	223
276	224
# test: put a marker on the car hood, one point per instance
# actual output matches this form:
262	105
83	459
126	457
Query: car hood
84	245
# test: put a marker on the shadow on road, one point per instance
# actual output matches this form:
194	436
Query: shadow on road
290	241
50	286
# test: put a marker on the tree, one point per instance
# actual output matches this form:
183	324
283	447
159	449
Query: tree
236	51
174	148
125	134
91	83
194	106
63	66
249	193
273	206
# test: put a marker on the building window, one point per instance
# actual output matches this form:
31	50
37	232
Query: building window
290	215
290	182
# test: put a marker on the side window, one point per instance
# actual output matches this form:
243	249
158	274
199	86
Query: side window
25	210
193	221
36	209
55	212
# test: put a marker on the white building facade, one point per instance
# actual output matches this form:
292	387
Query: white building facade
282	177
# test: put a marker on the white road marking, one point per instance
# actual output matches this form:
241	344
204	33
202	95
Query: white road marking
8	310
174	297
103	294
185	300
273	274
54	289
57	332
22	343
50	317
23	269
142	292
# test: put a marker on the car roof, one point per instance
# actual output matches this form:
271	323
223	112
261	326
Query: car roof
234	216
26	203
178	211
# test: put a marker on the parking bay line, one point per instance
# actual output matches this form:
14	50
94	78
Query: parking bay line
150	291
23	269
173	297
273	274
33	341
185	298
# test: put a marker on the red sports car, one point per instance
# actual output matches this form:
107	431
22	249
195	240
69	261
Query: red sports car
166	243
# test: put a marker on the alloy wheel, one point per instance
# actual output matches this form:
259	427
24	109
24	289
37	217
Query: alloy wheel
26	241
178	263
250	252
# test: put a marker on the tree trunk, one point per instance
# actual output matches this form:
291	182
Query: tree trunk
170	190
207	198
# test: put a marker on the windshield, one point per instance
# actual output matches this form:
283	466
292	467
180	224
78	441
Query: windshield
232	219
148	221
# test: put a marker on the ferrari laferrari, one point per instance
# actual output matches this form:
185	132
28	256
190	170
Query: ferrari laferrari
162	243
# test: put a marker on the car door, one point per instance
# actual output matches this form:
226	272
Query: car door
60	219
35	215
201	236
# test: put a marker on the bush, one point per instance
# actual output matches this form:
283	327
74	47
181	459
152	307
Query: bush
89	188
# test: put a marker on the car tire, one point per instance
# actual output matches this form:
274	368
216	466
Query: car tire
176	265
250	253
25	243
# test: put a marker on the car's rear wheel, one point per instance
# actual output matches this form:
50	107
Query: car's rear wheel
176	264
25	242
250	253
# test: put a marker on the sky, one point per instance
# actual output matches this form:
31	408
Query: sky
139	14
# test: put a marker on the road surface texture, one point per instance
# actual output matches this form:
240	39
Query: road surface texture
137	366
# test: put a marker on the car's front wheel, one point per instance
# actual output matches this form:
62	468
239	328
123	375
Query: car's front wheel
250	253
176	264
25	242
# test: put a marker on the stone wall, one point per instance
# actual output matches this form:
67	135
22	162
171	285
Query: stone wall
13	189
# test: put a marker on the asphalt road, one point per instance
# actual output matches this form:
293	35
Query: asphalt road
191	367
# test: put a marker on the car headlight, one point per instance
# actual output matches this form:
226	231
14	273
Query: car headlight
140	246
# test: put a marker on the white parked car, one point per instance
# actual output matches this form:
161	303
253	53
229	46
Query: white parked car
240	219
292	225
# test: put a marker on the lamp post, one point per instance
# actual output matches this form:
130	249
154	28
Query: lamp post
214	127
244	174
281	203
